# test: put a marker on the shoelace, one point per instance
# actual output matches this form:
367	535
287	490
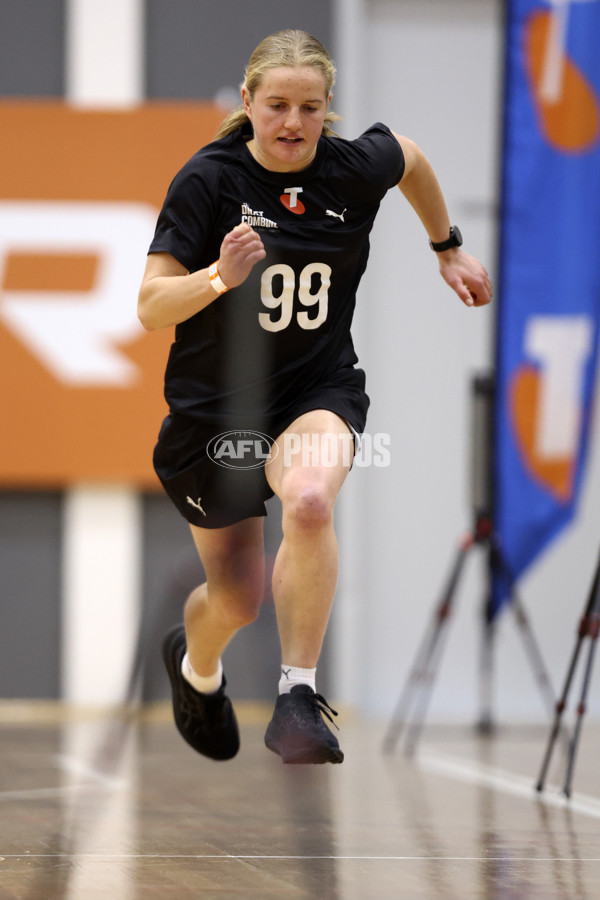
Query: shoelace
320	705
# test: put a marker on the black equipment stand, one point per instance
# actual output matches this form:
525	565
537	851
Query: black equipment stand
589	626
419	685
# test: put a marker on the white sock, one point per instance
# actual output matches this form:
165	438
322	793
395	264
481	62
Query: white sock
291	675
205	684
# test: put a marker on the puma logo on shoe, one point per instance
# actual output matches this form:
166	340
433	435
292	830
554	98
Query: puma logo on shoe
196	505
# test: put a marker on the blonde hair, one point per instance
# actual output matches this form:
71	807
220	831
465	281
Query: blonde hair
284	48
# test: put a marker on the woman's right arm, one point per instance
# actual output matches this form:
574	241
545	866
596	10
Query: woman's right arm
169	295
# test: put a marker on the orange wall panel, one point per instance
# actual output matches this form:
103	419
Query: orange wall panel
81	396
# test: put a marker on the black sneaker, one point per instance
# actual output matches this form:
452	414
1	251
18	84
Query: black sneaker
206	721
297	731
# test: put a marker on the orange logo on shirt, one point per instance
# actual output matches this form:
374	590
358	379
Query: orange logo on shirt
567	107
290	200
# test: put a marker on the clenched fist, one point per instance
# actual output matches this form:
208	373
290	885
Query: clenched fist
241	249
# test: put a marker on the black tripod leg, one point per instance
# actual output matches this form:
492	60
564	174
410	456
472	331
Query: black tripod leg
591	610
421	673
559	709
415	727
590	627
593	625
413	683
432	660
485	725
531	646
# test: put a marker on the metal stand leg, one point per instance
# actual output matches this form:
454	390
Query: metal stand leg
421	678
422	675
531	646
589	626
593	628
418	689
485	725
560	708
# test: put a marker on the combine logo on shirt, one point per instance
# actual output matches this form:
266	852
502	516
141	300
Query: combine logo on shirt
256	218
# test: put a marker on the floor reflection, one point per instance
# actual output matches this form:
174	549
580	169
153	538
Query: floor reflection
124	809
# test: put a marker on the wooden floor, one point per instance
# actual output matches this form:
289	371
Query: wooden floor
91	808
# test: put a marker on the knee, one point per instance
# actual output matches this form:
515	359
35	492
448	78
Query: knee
307	507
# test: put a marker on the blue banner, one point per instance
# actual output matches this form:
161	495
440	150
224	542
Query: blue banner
549	310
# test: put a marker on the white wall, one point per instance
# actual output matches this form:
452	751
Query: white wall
431	70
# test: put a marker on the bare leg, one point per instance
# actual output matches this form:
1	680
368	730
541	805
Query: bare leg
233	559
306	566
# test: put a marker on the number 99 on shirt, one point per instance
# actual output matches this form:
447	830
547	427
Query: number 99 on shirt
284	301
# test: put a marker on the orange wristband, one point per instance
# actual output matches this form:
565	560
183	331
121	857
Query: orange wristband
215	279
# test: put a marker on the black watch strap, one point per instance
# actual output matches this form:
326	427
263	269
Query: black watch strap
455	240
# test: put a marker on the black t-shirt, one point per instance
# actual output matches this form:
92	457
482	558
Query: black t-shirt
286	329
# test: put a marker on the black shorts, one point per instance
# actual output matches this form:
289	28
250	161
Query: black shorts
214	473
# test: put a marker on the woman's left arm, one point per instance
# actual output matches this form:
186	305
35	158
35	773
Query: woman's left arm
419	184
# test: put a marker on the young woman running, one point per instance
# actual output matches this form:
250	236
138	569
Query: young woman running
257	256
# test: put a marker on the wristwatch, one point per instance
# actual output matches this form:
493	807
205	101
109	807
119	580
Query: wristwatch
455	240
